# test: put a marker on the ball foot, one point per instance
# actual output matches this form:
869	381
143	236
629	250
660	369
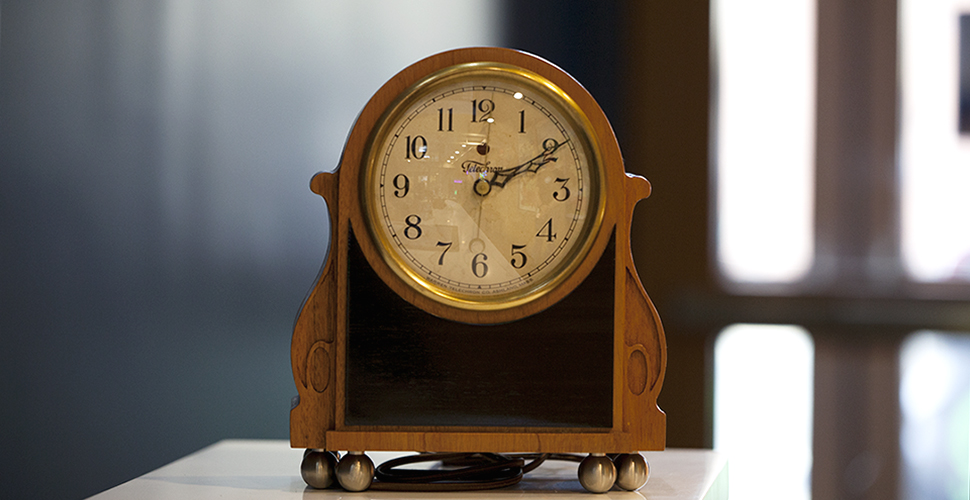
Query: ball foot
632	471
318	468
355	472
597	473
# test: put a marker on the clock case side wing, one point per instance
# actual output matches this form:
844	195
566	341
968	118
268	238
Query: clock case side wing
642	355
312	349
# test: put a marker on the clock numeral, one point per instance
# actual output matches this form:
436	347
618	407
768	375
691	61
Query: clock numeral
403	185
417	148
479	267
546	231
522	121
413	231
441	119
485	107
562	194
518	264
447	245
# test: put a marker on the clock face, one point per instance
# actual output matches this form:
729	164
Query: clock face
482	186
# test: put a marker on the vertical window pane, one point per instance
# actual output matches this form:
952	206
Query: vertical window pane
765	138
934	394
763	399
934	154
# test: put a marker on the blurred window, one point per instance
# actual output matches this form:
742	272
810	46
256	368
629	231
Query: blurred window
934	170
765	163
849	215
765	138
763	409
934	394
935	138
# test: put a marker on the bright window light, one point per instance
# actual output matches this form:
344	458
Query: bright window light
934	395
763	399
934	154
765	138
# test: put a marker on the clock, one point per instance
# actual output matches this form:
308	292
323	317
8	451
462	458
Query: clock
479	294
483	188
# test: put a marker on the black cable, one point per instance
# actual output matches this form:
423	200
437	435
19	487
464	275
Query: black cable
463	472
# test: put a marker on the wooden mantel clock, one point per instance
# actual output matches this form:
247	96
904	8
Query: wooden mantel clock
479	294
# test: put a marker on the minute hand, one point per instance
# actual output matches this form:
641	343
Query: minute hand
503	176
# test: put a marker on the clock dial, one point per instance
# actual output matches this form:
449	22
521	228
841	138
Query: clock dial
482	186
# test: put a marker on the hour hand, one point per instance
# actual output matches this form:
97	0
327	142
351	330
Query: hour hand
502	176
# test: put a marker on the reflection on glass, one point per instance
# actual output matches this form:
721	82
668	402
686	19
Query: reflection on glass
763	399
934	394
934	155
765	138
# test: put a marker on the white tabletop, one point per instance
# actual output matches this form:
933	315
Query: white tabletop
260	469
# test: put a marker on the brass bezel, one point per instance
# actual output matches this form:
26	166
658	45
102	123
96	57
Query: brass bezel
569	110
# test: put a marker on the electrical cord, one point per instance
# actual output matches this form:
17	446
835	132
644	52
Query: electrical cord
460	471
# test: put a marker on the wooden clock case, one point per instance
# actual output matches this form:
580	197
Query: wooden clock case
356	294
